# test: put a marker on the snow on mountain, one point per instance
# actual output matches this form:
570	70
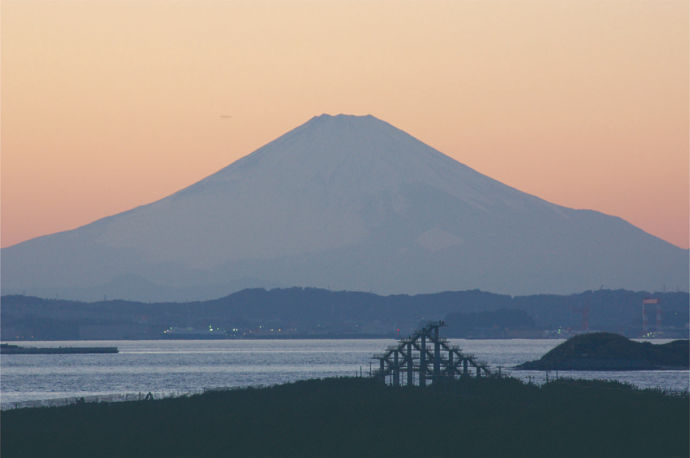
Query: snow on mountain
344	202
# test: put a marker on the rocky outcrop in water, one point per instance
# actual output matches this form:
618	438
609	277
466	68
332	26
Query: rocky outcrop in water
607	351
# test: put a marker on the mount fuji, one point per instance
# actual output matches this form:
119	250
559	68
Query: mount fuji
343	202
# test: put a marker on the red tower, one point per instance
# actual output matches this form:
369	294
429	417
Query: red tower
645	323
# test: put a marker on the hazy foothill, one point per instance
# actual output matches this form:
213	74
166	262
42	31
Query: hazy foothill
319	313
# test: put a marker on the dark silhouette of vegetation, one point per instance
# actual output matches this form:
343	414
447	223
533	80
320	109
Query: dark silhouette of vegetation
606	351
357	417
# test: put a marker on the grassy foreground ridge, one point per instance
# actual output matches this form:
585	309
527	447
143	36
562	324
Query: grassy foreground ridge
358	417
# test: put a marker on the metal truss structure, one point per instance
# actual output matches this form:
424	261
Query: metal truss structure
428	356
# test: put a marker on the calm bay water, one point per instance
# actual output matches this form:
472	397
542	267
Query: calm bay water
168	367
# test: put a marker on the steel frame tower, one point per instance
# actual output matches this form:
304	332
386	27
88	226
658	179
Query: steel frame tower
426	353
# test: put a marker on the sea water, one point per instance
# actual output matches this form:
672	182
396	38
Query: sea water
176	367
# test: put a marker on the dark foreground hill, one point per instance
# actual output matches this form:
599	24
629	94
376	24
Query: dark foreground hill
606	351
360	418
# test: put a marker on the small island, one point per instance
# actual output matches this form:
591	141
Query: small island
603	351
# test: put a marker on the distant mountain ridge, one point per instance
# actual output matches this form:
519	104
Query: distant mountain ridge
310	312
343	202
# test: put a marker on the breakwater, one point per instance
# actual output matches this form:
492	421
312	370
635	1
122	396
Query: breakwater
8	349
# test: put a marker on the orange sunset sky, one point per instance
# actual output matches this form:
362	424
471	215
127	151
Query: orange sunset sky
110	104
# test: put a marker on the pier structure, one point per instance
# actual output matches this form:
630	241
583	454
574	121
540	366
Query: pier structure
425	356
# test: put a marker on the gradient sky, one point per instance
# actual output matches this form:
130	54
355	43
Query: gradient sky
110	104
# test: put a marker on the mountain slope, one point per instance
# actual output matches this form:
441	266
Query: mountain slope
344	202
